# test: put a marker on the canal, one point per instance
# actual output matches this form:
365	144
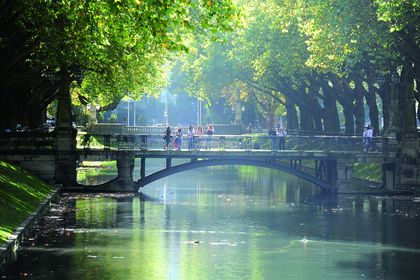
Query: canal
223	223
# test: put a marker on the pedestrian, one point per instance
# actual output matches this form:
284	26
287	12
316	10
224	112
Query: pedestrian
365	139
209	133
178	138
190	137
197	137
281	133
167	137
369	135
175	140
272	136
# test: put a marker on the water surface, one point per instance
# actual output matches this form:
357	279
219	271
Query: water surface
224	223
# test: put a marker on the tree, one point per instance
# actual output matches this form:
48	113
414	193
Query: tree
121	46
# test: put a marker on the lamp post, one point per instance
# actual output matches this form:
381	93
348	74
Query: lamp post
128	112
134	113
166	113
198	111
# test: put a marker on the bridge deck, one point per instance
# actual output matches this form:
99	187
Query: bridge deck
235	153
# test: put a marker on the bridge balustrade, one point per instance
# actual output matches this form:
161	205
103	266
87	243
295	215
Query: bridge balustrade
27	141
46	141
227	142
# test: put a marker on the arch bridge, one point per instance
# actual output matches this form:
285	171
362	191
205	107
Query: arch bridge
326	161
330	169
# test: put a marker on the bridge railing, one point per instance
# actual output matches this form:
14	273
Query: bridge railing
41	141
27	141
221	142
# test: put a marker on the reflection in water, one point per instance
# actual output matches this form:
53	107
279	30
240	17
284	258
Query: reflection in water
224	223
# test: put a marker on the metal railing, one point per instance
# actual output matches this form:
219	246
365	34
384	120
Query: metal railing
46	141
33	141
228	142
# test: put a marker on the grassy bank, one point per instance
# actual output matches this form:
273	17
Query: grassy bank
365	171
20	194
368	171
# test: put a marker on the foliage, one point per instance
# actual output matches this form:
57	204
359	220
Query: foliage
123	47
307	57
368	171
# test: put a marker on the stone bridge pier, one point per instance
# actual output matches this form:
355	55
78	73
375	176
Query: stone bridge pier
65	156
402	170
125	166
344	171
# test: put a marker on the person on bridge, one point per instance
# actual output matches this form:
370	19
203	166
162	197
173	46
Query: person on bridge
197	137
190	136
175	141
167	137
365	139
209	133
281	133
272	136
369	135
178	138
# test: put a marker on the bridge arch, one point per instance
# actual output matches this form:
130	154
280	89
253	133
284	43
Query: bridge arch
325	186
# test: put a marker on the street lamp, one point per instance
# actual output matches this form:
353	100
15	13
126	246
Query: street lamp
128	113
199	113
134	113
165	117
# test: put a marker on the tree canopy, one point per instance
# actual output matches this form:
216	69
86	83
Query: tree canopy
315	58
122	46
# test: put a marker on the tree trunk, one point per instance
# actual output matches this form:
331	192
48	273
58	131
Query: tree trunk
408	109
306	121
330	116
385	94
64	112
373	110
348	121
270	121
359	114
318	123
292	118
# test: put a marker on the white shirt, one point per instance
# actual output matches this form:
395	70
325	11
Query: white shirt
281	133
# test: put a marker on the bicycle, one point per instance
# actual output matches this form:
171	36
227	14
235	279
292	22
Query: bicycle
197	143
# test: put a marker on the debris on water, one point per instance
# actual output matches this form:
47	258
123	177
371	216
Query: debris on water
304	240
92	257
118	257
192	242
416	199
233	244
